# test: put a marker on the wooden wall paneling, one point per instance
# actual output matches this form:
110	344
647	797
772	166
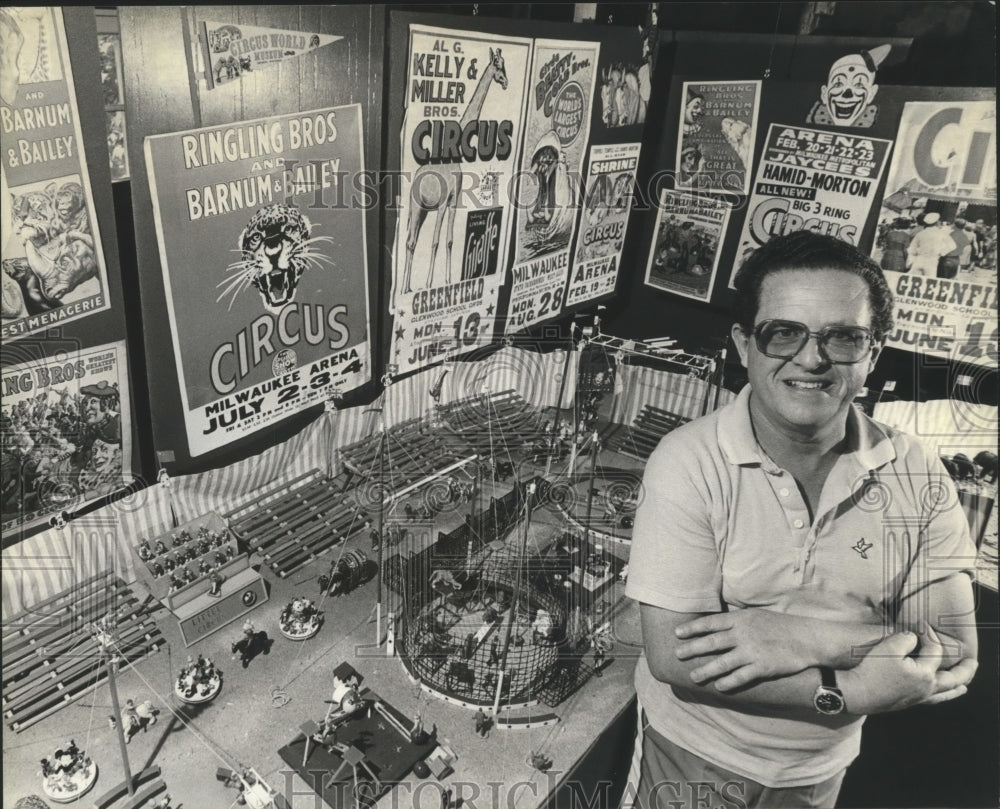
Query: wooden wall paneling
157	100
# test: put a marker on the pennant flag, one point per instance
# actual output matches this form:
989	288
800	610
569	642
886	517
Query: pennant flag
229	50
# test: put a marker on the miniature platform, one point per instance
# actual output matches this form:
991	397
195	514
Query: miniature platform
385	751
198	612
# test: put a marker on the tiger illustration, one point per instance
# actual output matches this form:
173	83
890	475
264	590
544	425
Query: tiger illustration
276	248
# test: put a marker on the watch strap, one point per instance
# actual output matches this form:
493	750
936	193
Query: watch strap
828	677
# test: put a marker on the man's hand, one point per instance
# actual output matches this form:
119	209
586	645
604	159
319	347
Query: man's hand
888	679
748	645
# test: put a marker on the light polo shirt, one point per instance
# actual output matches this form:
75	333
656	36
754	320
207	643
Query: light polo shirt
721	526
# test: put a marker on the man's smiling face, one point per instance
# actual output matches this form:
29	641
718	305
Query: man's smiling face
806	394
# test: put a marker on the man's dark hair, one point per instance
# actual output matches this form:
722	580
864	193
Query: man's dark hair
805	250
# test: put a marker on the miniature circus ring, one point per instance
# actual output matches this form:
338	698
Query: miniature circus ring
66	787
201	692
611	512
299	621
453	645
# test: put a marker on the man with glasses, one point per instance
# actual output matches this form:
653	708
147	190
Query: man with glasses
798	565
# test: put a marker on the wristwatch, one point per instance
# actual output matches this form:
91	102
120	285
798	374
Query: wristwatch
828	699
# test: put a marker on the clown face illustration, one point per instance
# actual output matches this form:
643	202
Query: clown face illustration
850	86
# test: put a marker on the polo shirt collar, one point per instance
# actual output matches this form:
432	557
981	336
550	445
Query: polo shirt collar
872	447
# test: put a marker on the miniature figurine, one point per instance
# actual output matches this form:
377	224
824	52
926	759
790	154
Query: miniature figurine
600	642
494	658
345	573
188	575
157	569
145	552
243	647
163	803
204	547
345	700
160	547
220	559
136	717
215	590
299	619
185	536
484	723
176	541
198	679
540	761
170	564
204	568
175	583
541	627
418	734
130	720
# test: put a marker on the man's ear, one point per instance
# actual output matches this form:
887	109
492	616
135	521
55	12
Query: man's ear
876	353
742	341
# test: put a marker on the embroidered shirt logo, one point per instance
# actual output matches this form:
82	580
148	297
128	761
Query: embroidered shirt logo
862	547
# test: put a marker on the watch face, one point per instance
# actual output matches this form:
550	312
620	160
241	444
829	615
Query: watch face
828	702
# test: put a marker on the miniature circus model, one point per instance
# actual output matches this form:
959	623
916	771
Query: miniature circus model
254	791
300	619
137	717
198	681
499	627
68	774
345	573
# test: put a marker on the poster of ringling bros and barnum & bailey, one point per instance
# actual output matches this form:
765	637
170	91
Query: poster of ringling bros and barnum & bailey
937	231
67	429
53	260
684	255
563	77
461	135
263	253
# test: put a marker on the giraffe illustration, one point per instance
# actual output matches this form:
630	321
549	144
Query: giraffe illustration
441	193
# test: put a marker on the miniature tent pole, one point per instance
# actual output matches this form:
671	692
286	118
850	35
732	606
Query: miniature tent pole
555	421
381	521
718	380
708	386
590	489
105	640
529	491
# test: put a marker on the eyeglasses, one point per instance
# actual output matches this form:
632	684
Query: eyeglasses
841	345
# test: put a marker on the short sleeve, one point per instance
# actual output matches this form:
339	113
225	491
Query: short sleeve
946	545
674	561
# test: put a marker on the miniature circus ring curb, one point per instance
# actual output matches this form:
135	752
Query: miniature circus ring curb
200	697
66	789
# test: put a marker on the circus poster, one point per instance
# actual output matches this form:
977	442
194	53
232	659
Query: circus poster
264	260
684	255
53	262
563	78
66	429
811	179
937	231
604	222
717	132
462	129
